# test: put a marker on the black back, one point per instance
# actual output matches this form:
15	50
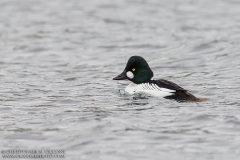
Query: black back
181	95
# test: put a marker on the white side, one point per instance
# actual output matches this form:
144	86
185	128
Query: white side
131	88
148	88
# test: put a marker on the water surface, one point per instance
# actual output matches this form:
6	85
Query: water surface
58	59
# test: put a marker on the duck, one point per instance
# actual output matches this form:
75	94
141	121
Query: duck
140	74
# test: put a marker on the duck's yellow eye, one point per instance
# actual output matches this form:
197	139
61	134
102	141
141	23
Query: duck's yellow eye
133	69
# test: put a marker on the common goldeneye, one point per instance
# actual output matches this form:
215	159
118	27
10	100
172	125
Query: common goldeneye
138	71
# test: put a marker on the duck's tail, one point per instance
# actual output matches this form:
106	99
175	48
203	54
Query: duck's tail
185	96
202	99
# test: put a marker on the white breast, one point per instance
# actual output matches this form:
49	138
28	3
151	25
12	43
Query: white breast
151	89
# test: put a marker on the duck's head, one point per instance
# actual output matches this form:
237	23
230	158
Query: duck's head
137	71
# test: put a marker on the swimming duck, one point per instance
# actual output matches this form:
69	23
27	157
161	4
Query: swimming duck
140	74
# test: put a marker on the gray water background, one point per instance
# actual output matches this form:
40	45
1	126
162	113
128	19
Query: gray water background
58	58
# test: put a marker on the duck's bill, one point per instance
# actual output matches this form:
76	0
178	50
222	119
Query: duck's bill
121	76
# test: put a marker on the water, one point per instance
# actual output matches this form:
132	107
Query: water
58	59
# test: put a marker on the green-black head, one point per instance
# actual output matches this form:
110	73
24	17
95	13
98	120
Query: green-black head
137	71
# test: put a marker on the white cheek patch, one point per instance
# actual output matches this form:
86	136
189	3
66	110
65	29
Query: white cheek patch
130	75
